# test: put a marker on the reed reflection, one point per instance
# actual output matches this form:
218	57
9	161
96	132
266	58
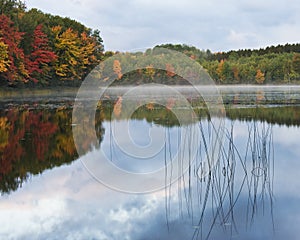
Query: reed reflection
242	169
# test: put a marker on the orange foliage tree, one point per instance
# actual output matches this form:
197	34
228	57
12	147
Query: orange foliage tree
117	69
170	70
259	77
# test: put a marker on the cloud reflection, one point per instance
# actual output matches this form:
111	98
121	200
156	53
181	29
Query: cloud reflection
67	203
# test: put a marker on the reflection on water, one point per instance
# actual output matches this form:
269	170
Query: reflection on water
240	173
251	193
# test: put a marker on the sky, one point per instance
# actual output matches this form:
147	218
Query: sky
216	25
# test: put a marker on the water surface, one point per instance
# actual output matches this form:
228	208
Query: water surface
251	193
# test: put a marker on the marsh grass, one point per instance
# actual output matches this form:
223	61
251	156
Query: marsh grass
210	200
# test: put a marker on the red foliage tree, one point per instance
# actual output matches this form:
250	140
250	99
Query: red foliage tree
12	38
39	60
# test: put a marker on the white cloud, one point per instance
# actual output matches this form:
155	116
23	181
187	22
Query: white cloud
240	39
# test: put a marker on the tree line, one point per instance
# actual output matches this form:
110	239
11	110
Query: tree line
275	64
39	49
32	141
269	68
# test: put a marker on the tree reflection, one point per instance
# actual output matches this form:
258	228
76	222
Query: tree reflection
32	141
288	115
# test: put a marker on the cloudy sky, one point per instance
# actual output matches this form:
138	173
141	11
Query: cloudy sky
215	24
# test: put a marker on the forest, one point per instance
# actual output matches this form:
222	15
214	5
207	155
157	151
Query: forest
271	65
39	49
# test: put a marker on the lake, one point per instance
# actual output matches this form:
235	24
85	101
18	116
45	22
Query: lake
151	164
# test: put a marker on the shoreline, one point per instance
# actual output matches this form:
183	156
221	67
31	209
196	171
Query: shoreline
11	92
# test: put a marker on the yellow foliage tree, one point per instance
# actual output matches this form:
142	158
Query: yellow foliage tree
75	53
150	71
87	49
66	45
4	59
220	70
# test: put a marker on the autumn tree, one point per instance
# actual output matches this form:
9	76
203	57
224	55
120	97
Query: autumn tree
170	70
12	38
88	57
220	70
68	52
150	71
76	53
40	59
259	77
30	21
117	68
4	61
224	71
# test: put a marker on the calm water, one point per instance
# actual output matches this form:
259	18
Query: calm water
48	191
